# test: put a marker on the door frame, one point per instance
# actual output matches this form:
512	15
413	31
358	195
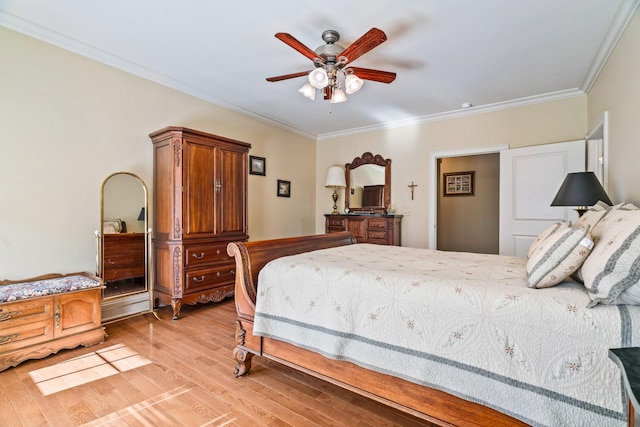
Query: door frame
433	182
598	153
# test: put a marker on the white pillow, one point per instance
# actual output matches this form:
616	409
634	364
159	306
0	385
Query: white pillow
614	264
560	254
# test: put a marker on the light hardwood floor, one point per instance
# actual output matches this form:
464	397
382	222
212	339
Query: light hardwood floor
166	373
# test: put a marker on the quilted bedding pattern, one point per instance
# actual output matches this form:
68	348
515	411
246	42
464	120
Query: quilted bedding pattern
464	323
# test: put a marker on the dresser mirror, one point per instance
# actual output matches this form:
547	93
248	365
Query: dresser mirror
123	246
368	180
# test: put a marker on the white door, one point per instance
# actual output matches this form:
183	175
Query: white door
529	180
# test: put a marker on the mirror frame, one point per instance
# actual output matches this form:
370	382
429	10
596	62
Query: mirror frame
100	234
369	159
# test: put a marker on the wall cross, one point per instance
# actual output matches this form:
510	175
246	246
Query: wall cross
412	186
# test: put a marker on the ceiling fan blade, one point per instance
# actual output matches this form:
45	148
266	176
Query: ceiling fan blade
288	76
375	75
364	44
297	45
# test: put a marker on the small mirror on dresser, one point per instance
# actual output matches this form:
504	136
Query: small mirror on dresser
368	179
123	247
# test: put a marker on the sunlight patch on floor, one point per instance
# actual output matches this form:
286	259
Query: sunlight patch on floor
87	368
150	413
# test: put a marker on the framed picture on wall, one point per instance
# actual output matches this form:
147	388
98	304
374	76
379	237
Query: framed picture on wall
284	188
257	165
458	183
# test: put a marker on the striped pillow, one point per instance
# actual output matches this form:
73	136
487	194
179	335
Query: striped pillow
614	264
544	234
559	255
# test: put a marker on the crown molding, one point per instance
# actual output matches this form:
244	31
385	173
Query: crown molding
504	105
618	24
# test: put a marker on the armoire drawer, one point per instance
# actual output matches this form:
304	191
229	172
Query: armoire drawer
205	253
204	278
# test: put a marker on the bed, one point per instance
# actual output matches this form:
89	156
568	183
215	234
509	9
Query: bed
489	341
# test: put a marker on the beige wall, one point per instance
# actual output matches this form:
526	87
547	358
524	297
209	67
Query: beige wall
616	90
409	149
67	122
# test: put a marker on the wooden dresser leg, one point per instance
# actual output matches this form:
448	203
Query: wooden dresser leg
632	415
176	304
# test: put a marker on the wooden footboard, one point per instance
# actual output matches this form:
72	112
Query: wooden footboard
429	404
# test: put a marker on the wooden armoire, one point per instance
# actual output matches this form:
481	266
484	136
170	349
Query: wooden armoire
199	206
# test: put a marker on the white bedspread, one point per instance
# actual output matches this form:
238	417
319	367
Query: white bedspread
463	323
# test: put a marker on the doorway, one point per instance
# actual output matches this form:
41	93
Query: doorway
434	180
468	217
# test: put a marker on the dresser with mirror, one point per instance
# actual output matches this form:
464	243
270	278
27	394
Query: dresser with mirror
367	203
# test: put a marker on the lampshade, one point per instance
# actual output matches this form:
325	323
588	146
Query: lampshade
335	177
338	96
580	189
141	215
352	83
308	91
319	78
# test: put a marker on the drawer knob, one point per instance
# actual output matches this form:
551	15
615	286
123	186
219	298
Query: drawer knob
196	256
199	280
218	274
218	252
233	273
9	315
8	338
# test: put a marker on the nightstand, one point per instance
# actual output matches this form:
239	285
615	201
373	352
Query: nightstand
628	360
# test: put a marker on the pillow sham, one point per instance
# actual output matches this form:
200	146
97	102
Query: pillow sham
544	234
558	256
614	264
596	231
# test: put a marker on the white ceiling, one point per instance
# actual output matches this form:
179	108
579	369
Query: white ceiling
491	53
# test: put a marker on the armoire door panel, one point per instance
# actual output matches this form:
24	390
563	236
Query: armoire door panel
199	190
231	202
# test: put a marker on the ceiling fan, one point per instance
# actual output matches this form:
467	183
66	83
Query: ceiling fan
332	63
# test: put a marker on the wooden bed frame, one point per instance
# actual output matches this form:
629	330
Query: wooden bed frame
426	403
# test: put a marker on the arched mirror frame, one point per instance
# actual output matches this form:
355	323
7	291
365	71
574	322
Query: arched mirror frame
134	302
369	159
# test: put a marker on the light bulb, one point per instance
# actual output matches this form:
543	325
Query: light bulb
338	96
308	91
352	83
318	78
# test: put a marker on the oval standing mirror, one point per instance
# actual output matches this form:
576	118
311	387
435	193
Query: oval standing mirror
123	246
368	180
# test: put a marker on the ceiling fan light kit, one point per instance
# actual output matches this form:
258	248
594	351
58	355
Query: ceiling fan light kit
308	91
331	72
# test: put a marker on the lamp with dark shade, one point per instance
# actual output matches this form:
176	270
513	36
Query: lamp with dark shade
582	190
142	215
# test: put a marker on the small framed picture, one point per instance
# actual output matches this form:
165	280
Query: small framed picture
257	165
458	183
284	188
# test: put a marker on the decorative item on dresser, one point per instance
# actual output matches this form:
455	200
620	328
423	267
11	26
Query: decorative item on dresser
200	205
